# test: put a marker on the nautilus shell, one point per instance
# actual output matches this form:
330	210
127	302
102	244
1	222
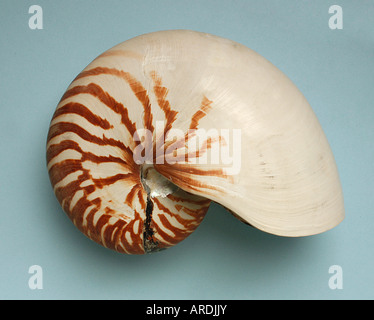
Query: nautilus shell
159	126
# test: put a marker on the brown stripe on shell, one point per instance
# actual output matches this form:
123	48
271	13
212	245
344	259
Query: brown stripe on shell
83	111
55	149
197	213
201	201
206	106
161	92
96	91
182	176
64	127
139	91
133	193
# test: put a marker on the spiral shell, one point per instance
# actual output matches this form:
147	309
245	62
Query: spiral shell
124	156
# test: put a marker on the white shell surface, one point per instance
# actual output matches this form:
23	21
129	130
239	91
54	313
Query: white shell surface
288	182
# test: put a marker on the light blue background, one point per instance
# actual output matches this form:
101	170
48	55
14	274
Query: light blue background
223	259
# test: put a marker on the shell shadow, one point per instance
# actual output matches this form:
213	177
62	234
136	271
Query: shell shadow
231	234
